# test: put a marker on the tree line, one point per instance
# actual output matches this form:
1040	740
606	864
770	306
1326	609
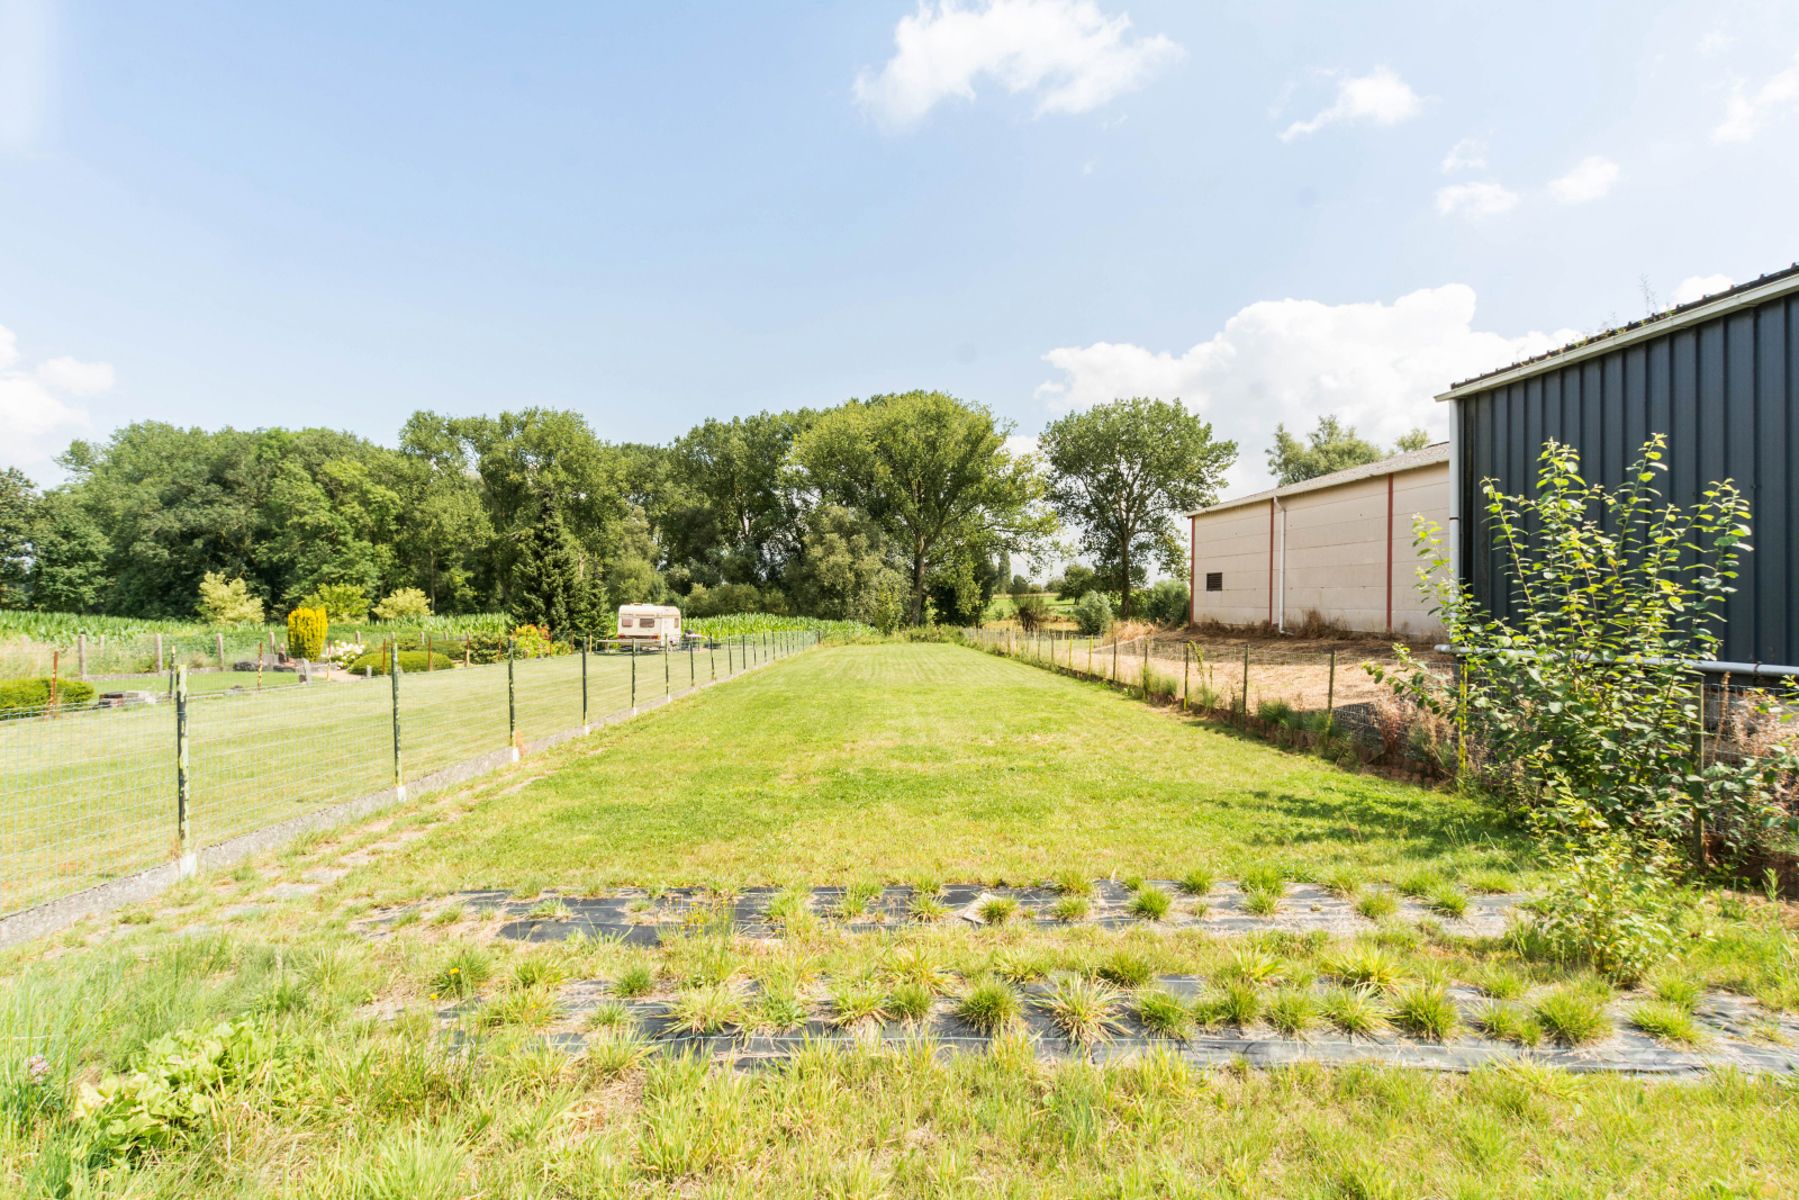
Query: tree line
895	509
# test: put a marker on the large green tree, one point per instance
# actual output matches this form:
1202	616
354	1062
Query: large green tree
844	571
18	514
1123	472
932	473
555	587
1331	446
732	514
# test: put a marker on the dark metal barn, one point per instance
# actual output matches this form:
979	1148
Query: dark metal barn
1719	376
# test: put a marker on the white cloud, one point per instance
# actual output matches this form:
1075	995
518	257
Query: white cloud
1376	365
1020	444
1380	97
1475	199
35	412
1469	154
1073	56
1747	111
76	378
1698	287
1591	178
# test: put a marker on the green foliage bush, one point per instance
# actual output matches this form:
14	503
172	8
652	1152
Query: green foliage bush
532	641
24	695
228	601
1032	611
306	630
1165	603
1577	707
341	601
1093	614
168	1094
376	660
403	605
1611	906
1578	710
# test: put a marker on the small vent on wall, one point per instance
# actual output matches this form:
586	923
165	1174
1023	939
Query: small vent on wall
1214	581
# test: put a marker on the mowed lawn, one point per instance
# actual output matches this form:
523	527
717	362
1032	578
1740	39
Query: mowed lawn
904	761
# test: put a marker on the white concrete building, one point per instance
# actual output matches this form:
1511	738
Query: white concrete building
1340	544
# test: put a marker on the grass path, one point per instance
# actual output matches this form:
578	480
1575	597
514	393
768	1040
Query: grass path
900	761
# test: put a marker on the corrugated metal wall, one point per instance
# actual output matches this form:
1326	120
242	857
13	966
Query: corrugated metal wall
1725	391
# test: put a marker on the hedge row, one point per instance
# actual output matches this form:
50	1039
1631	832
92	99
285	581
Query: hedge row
19	694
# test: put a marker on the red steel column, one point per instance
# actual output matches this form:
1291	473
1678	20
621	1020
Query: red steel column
1193	571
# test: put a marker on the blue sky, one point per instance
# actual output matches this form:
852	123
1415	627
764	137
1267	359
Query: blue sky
256	214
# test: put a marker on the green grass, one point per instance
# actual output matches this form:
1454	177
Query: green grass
349	1084
1150	903
900	759
263	757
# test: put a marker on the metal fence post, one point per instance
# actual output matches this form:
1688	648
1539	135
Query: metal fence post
1330	697
183	779
693	677
633	676
159	665
1186	676
729	669
1698	834
1114	658
668	686
393	674
586	645
81	656
511	699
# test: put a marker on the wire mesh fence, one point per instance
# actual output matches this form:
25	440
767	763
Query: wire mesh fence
1243	678
99	791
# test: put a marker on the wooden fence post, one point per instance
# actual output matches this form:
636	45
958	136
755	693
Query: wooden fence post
1246	685
1330	697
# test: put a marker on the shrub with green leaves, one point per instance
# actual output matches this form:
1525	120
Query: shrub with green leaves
168	1093
375	662
341	601
306	630
28	695
1576	705
403	604
1612	907
1093	614
228	601
1031	610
